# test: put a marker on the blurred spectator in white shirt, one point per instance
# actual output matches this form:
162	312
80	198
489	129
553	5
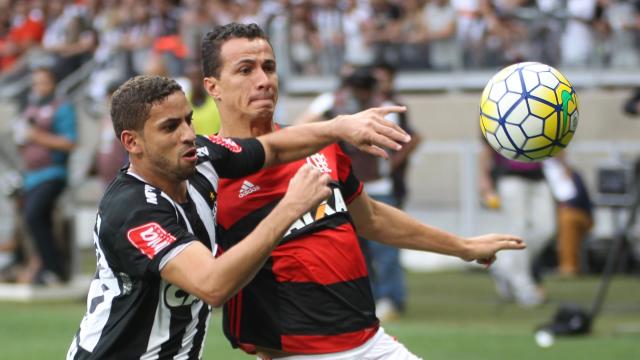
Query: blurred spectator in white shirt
440	21
357	27
578	38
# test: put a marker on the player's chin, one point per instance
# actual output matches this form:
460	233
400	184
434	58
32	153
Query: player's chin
186	171
263	107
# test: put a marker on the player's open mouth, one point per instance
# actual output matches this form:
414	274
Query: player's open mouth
190	155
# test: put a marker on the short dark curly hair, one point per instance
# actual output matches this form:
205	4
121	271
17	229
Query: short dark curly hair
212	43
132	101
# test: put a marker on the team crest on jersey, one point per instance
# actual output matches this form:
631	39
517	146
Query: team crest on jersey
319	161
150	238
202	151
226	143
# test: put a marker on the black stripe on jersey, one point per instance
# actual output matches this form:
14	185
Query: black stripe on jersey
331	222
247	309
180	318
326	307
305	309
196	223
181	315
242	228
198	340
201	184
82	354
350	187
132	341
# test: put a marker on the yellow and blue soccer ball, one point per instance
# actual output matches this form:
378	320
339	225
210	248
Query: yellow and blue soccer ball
528	112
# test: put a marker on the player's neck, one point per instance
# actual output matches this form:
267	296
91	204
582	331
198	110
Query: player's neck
246	128
176	190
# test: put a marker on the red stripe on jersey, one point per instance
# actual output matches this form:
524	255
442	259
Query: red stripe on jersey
273	183
325	257
249	349
326	343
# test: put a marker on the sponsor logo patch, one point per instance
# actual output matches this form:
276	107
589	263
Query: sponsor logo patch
150	194
175	297
226	143
247	188
150	238
333	205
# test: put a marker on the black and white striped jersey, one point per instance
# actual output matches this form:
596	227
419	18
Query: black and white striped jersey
132	313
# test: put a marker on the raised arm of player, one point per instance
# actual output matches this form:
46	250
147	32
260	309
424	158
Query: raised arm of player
214	280
380	222
367	130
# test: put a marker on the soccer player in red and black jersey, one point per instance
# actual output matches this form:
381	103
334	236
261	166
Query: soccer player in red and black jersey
312	296
155	237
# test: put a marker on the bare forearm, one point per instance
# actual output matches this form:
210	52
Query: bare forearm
367	130
215	280
236	267
296	142
380	222
408	233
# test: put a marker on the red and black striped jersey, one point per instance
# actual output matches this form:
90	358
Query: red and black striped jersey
313	294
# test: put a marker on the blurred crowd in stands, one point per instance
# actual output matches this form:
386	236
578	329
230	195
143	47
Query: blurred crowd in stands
316	37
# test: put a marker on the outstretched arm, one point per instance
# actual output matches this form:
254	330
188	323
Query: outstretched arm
367	130
215	280
383	223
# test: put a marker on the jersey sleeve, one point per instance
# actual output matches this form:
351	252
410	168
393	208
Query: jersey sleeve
147	234
349	183
231	157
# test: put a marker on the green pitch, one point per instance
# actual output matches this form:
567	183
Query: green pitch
450	316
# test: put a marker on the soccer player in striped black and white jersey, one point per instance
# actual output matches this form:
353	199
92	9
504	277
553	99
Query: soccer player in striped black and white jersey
157	274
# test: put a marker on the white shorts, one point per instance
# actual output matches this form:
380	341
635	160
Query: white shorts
380	347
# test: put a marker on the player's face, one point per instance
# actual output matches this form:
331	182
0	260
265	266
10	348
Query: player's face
248	84
168	140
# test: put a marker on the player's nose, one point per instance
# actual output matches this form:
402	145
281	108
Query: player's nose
188	135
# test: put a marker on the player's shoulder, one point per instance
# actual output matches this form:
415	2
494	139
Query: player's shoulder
216	142
127	194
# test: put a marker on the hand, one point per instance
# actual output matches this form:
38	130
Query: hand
307	189
483	248
370	132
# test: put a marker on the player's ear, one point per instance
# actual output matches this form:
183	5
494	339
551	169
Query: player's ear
211	86
130	139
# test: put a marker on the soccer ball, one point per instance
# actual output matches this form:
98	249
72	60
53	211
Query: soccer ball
528	112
